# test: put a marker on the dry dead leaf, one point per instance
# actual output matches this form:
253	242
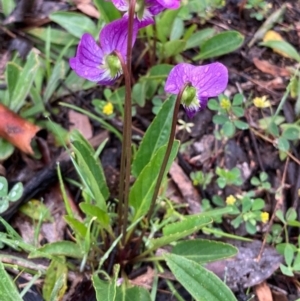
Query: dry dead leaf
145	280
263	292
268	68
51	231
54	231
244	270
87	7
80	122
16	130
188	191
297	27
280	296
89	10
34	11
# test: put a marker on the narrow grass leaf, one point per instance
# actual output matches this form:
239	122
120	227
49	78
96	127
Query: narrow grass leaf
58	73
12	75
25	80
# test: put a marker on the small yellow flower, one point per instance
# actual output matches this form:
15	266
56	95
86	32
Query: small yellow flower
230	200
264	217
225	103
261	102
108	109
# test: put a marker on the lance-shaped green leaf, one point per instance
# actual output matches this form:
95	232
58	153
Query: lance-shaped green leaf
92	210
12	75
283	47
59	248
132	293
165	24
178	230
90	170
107	10
199	37
203	250
141	193
75	23
58	73
106	290
24	82
222	43
55	283
156	136
199	282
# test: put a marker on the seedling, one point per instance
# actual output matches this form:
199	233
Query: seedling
12	196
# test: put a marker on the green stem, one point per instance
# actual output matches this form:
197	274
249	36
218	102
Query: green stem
282	101
126	145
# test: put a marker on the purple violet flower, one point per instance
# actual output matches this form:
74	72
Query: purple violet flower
205	82
146	9
99	63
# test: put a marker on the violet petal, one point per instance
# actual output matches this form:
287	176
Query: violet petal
171	4
190	112
178	77
113	36
121	5
94	74
210	80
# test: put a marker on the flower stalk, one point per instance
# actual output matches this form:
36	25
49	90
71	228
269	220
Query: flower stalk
125	166
163	167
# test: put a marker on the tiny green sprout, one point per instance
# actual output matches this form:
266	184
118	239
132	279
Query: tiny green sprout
12	196
249	211
291	254
157	104
202	179
274	237
260	8
229	114
228	177
261	182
